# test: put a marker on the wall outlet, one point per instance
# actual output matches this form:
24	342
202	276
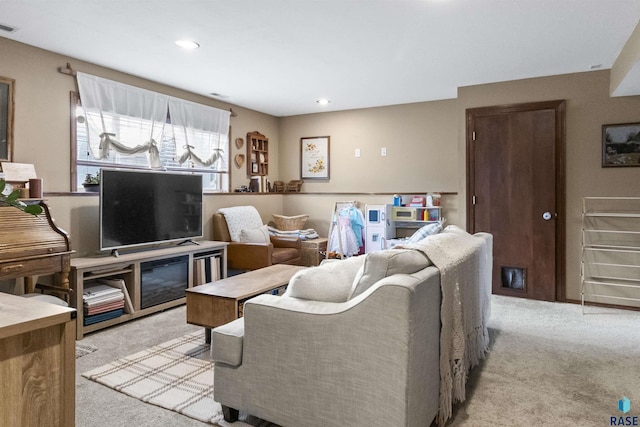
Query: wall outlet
383	151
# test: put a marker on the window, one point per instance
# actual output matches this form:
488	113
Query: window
122	126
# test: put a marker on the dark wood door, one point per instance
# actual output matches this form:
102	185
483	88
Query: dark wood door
515	158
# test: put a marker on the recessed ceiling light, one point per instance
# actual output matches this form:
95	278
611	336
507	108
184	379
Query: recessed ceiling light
187	44
323	101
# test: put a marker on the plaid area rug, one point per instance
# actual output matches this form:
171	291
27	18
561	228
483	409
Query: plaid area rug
176	375
84	349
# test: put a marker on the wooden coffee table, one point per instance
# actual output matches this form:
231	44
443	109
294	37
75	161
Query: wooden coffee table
216	303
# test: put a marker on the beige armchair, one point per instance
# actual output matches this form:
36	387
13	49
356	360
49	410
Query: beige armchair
250	246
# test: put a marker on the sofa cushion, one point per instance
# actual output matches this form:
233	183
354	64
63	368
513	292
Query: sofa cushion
380	264
255	235
329	282
284	255
227	341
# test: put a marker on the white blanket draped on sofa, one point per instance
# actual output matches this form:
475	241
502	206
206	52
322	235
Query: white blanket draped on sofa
464	338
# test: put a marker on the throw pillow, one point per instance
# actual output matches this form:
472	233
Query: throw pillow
256	235
380	264
427	230
329	282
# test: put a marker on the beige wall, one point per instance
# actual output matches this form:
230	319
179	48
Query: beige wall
625	70
425	145
42	136
42	126
421	158
588	107
421	143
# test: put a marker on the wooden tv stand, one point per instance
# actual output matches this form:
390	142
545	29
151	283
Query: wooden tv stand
128	267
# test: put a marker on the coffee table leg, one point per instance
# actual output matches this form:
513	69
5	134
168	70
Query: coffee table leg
207	335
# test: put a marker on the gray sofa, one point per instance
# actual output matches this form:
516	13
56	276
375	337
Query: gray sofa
354	342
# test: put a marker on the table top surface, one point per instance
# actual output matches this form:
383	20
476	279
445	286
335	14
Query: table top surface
250	283
141	255
19	314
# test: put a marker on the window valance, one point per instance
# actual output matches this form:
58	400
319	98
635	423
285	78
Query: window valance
132	120
200	132
108	96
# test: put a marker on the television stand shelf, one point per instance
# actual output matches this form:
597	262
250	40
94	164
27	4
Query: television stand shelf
154	279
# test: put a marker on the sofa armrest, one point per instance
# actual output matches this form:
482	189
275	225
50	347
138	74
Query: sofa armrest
285	242
226	343
249	256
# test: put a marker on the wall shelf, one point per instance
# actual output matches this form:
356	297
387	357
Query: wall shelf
257	154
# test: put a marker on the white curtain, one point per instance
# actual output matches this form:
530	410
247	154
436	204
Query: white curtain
201	134
113	113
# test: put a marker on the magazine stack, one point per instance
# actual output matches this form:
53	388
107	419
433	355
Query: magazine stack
102	302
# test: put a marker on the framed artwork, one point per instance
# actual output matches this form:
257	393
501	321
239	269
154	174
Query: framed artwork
314	157
621	145
6	118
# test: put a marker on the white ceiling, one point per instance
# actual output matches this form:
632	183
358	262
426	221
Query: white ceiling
280	56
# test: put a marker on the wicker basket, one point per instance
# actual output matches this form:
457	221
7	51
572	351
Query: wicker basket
289	223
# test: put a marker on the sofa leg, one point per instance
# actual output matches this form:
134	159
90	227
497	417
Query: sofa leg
230	414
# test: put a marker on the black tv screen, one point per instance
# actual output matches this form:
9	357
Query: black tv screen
142	208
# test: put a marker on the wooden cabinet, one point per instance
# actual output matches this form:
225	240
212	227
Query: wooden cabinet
32	246
176	269
37	363
257	154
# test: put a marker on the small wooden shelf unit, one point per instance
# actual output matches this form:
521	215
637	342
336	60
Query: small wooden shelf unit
257	154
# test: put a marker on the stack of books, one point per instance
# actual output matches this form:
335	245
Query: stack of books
104	299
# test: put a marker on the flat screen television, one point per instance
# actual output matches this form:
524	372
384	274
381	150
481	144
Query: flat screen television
144	208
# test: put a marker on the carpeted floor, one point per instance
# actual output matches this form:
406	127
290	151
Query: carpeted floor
548	365
97	405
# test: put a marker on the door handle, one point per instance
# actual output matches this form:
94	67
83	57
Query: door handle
547	216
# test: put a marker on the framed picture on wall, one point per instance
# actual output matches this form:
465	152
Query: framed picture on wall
621	145
314	157
6	118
